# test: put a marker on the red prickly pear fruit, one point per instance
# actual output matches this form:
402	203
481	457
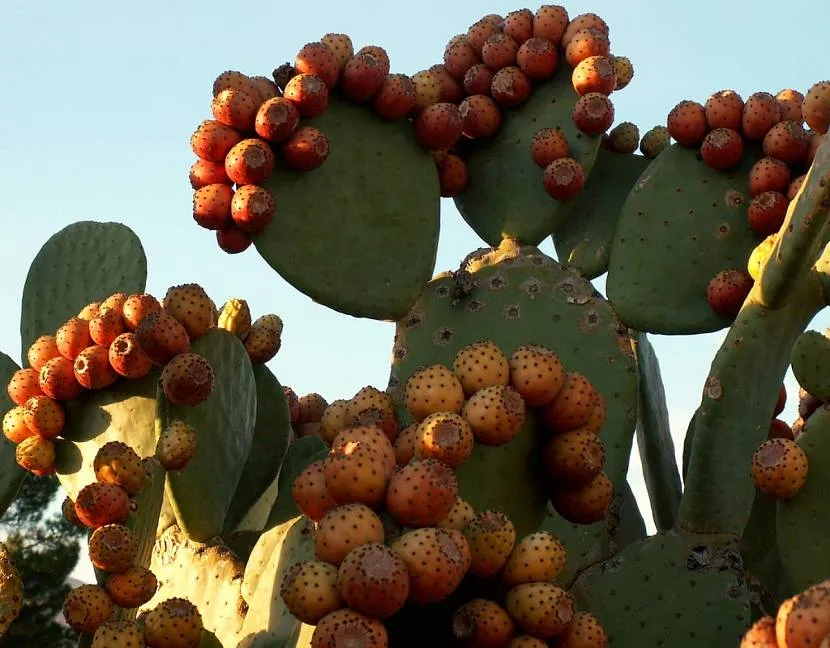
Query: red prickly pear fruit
92	368
586	43
453	176
73	337
373	580
807	404
767	211
112	548
482	29
510	86
781	402
114	302
127	357
131	588
779	429
536	373
137	307
791	103
234	80
787	141
319	60
727	291
436	560
236	108
815	141
483	624
306	149
795	186
433	389
816	107
593	113
624	138
379	53
86	608
445	437
57	380
623	71
276	120
24	385
176	446
68	512
188	379
537	58
550	23
499	51
310	492
439	126
687	123
44	417
458	517
779	468
422	493
586	504
547	145
212	206
573	458
722	149
117	463
404	445
175	613
162	336
459	56
427	89
341	47
267	88
212	140
396	97
594	74
479	365
14	424
496	414
761	112
309	95
583	21
537	558
343	528
572	406
768	174
98	504
478	80
362	77
355	472
353	626
724	109
107	326
367	437
491	537
252	208
309	590
564	179
37	455
451	90
205	172
249	162
584	631
312	406
519	25
232	240
42	350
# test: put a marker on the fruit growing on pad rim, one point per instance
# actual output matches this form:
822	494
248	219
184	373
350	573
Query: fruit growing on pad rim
727	291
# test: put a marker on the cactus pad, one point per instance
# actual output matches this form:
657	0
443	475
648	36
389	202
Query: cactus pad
810	361
360	233
585	237
682	223
11	475
303	452
201	493
84	262
505	197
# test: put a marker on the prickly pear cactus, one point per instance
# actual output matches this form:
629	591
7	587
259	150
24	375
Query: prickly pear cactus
11	475
11	591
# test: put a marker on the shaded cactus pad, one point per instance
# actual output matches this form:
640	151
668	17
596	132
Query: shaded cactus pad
11	475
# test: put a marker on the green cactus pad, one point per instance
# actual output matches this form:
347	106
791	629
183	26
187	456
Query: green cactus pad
654	438
505	197
272	432
521	297
124	412
584	238
658	592
303	452
762	556
82	263
810	361
201	493
360	233
11	475
682	223
803	525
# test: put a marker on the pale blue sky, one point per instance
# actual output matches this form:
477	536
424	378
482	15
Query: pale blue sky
100	99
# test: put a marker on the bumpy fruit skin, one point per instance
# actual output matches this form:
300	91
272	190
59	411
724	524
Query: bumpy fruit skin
422	493
264	338
724	109
761	634
235	108
92	368
174	623
362	77
192	307
550	22
687	123
761	112
573	405
309	94
176	446
24	384
333	420
368	437
73	337
57	380
483	624
42	350
543	610
11	591
373	580
787	141
341	46
479	365
37	455
405	443
767	212
547	145
727	291
343	528
439	126
436	560
585	631
585	504
573	458
433	389
69	514
396	97
655	141
808	621
537	58
526	641
132	587
564	179
496	414
309	590
162	336
445	437
368	398
117	463
593	113
343	627
310	492
722	149
137	307
356	472
779	468
43	416
624	138
453	176
768	174
311	408
98	504
128	358
107	326
791	103
86	607
276	120
320	60
536	373
112	548
458	517
118	634
89	311
204	173
188	379
235	80
594	74
510	87
816	107
477	81
492	537
538	558
235	317
212	140
14	425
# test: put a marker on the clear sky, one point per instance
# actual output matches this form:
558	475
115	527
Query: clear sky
100	99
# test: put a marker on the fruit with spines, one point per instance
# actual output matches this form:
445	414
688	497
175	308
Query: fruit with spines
405	444
99	504
249	162
112	548
453	176
235	80
761	634
264	338
312	407
395	98
495	414
815	141
86	607
478	80
727	291
127	357
536	373
786	141
89	311
252	208
366	398
526	641
350	627
482	623
174	623
236	108
537	558
585	631
137	307
761	112
276	120
655	141
41	351
768	174
722	149
92	368
435	560
586	43
623	71
537	58
439	126
816	107
232	240
573	458
451	90
362	77
597	419
547	145
686	123
767	211
427	89
593	113
306	149
551	22
366	437
176	445
188	379
594	74
235	317
480	116
422	493
340	45
791	103
481	30
14	424
586	20
624	138
479	365
543	610
162	336
106	326
808	622
343	528
309	590
118	634
585	504
43	416
132	587
795	186
458	517
309	95
117	463
37	455
212	140
779	468
319	60
499	51
205	172
724	109
355	472
564	179
446	437
573	404
433	389
73	337
373	580
491	537
335	418
310	492
459	56
57	380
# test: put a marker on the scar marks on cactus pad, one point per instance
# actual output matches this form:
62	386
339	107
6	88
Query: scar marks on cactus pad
723	230
443	336
414	319
475	305
713	388
589	321
512	311
734	199
497	281
441	291
399	348
531	287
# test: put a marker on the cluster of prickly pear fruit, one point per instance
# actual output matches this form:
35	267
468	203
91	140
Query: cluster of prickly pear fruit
802	621
262	337
11	591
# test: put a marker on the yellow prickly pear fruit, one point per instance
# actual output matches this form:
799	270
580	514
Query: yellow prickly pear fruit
760	254
176	446
235	317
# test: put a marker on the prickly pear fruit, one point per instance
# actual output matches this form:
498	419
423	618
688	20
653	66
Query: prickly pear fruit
597	419
132	587
816	107
481	364
491	536
458	517
24	384
373	580
320	60
176	446
585	43
252	208
433	389
188	379
235	80
98	504
117	463
11	591
192	307
368	437
594	74
37	455
791	103
235	317
477	81
369	397
14	424
439	126
43	416
310	492
767	212
526	641
334	418
499	51
787	141
106	326
341	46
204	173
112	548
453	176
481	30
445	437
495	414
761	112
724	109
808	622
572	406
42	350
761	634
236	108
768	174
550	22
624	137
162	336
174	623
405	443
623	70
584	631
687	123
436	563
86	607
543	610
779	468
395	98
68	512
583	21
212	206
356	472
483	624
655	141
212	140
312	406
115	634
73	337
537	558
573	458
57	379
536	373
343	528
92	368
342	627
264	338
586	504
309	590
128	358
563	179
722	149
537	58
422	493
137	307
510	87
362	77
727	291
547	145
309	95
